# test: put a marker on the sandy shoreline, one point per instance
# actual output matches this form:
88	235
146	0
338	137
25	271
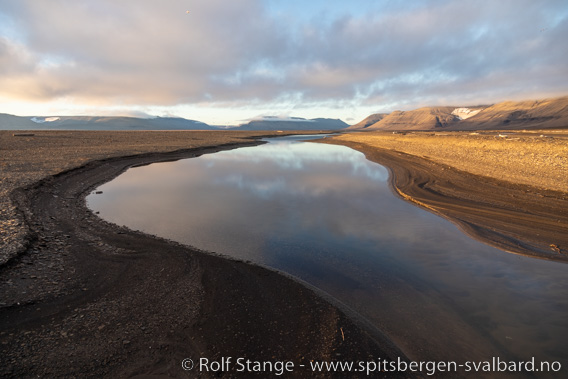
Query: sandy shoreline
489	186
119	303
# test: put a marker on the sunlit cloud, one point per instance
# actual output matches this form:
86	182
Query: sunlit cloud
225	61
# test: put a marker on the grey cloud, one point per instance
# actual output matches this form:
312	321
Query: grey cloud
141	50
146	52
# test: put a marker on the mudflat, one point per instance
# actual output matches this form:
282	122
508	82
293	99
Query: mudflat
82	297
508	189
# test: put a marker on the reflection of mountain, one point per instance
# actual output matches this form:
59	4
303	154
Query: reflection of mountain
100	123
549	113
295	123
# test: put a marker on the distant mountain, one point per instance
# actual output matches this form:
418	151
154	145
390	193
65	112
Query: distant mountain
536	114
99	123
11	122
295	123
423	118
548	113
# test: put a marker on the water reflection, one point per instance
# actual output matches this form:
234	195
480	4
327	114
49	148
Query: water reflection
325	214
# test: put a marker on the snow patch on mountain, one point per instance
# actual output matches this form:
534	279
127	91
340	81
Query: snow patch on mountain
42	120
465	113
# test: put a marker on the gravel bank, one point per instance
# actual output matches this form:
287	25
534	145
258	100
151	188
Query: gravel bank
28	159
509	190
534	158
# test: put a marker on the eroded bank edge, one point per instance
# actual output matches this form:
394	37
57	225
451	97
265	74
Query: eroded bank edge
392	160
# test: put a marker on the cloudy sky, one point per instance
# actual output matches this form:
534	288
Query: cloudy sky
224	61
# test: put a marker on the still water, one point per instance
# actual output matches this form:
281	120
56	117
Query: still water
325	214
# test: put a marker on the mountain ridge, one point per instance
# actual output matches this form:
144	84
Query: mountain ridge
11	122
528	114
295	123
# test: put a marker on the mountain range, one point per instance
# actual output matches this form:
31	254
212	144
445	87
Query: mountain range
534	114
99	123
11	122
293	123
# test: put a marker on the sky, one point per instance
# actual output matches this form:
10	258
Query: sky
225	62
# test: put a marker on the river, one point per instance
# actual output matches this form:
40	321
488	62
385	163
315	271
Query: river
326	215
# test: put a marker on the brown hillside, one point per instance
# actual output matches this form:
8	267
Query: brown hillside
548	113
372	119
426	118
532	114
